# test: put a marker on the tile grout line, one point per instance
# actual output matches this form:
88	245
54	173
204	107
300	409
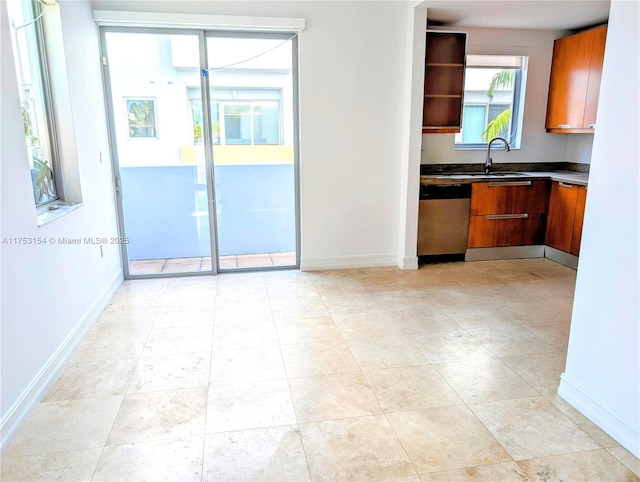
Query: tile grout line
284	366
124	394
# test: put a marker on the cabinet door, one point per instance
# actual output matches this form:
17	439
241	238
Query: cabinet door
569	81
500	230
562	209
598	38
576	237
509	197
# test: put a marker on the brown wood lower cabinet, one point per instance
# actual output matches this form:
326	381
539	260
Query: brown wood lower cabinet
562	212
566	214
498	230
508	213
526	213
576	238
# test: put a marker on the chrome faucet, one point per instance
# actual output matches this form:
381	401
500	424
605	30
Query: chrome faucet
489	162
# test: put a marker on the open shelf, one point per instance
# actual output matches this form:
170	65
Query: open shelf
444	81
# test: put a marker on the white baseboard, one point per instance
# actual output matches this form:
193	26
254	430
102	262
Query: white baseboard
18	413
408	262
344	262
599	414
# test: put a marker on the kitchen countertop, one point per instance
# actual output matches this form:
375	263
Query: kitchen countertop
573	177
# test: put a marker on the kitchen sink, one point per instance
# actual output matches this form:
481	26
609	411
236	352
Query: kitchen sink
512	174
482	174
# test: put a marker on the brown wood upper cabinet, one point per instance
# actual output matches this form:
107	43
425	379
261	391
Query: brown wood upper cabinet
566	215
574	86
443	82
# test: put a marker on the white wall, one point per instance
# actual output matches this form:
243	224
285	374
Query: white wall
602	377
537	145
579	148
412	131
49	292
352	71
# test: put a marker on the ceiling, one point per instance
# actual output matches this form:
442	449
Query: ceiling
527	14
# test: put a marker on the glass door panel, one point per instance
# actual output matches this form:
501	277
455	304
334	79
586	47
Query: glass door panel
251	84
154	83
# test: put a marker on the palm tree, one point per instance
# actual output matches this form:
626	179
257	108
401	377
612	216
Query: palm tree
500	123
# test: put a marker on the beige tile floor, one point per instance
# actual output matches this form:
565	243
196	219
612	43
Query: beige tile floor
181	265
445	373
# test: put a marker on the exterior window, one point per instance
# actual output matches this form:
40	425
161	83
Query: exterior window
35	98
240	122
196	118
493	100
237	123
254	122
141	116
266	122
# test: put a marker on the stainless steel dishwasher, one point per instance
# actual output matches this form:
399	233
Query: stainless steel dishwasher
443	221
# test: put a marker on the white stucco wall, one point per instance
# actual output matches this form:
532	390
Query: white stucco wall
602	376
52	293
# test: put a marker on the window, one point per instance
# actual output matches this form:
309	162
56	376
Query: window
241	117
254	122
35	98
141	116
493	100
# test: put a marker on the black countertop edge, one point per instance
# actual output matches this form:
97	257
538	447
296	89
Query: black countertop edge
427	169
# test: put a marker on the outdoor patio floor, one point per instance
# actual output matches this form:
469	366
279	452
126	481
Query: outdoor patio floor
181	265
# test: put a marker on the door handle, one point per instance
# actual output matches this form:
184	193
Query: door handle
564	126
507	216
564	184
509	183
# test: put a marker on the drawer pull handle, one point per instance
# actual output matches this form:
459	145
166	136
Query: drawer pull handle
564	126
509	183
564	184
507	216
592	126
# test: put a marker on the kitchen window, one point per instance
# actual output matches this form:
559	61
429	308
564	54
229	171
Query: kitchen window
35	99
494	89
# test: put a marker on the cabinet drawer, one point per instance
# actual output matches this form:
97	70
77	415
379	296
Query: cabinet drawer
509	197
523	229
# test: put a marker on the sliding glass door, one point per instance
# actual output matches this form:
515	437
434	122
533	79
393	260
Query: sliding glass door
251	85
203	134
161	173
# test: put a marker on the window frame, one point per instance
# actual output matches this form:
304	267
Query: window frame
517	106
38	49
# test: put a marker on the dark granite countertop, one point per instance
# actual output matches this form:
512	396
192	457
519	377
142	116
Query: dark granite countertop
469	173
